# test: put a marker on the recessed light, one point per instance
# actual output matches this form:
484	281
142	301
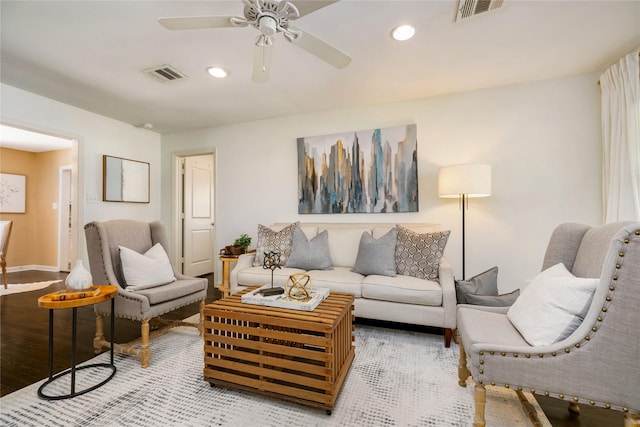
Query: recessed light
217	72
403	32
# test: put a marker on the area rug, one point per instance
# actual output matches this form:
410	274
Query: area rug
398	378
14	288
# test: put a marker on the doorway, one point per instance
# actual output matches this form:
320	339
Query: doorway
65	219
51	161
196	214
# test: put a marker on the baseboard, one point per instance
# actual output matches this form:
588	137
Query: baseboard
50	268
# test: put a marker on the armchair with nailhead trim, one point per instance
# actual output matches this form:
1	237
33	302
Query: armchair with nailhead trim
599	363
147	305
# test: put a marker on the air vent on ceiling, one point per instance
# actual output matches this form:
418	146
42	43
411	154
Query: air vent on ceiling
165	73
469	8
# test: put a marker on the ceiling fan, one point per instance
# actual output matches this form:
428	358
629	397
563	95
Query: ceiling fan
270	17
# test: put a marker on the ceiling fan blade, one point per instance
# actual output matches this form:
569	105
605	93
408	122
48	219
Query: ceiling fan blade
322	50
196	22
261	63
305	7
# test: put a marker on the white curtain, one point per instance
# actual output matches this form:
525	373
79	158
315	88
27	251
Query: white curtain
620	86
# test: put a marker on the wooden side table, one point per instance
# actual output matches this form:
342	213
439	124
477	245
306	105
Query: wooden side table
52	302
225	286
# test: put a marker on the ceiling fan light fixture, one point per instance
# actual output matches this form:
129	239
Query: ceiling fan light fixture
217	72
403	32
267	25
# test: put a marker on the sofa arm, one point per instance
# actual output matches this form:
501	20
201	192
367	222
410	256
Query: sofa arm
449	301
244	261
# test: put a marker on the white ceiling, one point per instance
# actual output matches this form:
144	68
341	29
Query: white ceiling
91	54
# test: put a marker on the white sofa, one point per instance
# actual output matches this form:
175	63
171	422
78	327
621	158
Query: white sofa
401	298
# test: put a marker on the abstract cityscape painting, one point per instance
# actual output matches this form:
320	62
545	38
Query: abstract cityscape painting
372	171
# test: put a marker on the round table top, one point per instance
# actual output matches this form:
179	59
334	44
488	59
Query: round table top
69	299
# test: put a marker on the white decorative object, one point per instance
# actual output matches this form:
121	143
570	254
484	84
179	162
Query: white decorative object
148	270
79	279
552	306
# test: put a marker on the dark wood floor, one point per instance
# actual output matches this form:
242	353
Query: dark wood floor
24	344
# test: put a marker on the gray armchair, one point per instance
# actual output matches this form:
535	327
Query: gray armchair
103	239
599	363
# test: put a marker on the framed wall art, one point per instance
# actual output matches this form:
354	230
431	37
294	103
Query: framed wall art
372	171
13	192
124	180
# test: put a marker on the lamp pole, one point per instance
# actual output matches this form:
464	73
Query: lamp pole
464	200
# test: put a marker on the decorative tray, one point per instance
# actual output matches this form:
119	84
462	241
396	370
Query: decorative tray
68	294
284	301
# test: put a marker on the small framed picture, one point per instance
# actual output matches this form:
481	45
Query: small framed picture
13	191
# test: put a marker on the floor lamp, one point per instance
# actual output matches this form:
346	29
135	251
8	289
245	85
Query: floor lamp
463	182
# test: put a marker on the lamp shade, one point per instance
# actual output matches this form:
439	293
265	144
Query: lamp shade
472	180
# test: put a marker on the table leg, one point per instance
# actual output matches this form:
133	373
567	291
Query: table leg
226	285
50	343
73	349
113	329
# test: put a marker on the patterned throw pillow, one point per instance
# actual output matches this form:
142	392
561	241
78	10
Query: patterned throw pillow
418	255
277	241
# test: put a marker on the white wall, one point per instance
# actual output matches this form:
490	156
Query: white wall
96	135
542	140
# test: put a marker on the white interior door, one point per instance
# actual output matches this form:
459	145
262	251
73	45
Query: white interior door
199	230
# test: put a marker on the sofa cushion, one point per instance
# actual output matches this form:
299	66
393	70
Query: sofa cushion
552	306
147	270
418	255
403	289
310	254
340	279
343	245
260	276
377	256
276	241
504	300
485	283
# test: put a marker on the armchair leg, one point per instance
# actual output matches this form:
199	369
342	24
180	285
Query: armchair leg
574	408
145	353
631	420
481	397
463	371
99	338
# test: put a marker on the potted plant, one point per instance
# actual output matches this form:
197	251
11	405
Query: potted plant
241	244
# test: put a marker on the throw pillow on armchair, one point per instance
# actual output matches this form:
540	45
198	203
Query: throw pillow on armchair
482	289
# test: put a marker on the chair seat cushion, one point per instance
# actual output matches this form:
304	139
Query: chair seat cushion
480	326
174	290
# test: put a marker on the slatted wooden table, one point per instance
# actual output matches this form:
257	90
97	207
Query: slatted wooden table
296	355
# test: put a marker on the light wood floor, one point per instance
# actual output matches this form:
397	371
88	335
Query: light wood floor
24	343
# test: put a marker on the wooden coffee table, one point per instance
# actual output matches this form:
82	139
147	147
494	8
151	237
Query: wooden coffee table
295	355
